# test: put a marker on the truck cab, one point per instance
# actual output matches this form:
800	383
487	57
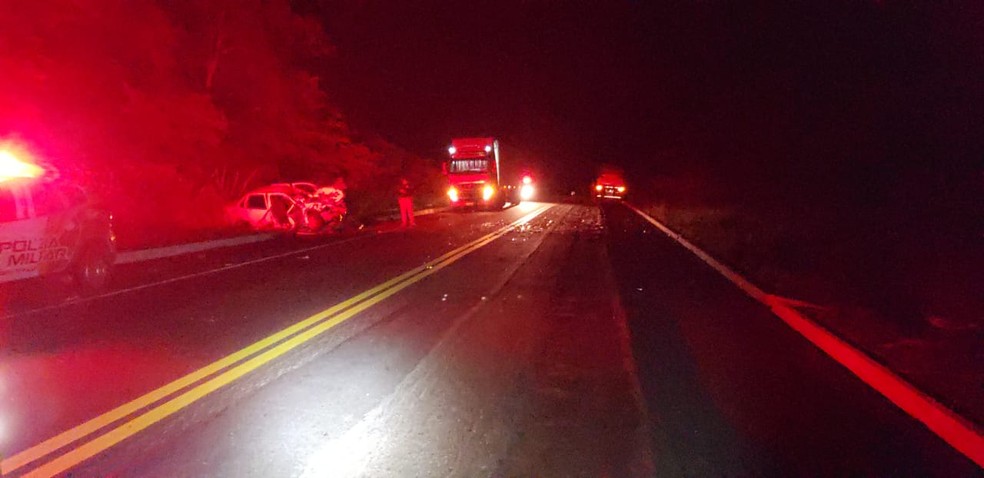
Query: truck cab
48	227
475	176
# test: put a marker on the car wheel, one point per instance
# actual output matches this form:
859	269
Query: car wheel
91	272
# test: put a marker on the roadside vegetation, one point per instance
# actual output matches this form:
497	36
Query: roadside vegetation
168	110
839	164
905	290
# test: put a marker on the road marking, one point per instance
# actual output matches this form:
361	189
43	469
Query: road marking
130	257
262	352
958	432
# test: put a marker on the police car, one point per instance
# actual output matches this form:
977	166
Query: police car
48	228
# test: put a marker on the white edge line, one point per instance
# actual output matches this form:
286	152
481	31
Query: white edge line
421	212
958	432
129	257
430	210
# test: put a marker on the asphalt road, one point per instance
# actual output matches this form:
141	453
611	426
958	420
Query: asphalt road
542	340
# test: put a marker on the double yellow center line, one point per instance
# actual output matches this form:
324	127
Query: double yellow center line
223	371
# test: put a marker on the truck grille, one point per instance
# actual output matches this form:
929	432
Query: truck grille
469	191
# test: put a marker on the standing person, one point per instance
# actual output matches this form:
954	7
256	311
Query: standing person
406	203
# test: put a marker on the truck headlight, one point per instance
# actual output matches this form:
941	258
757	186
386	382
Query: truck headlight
487	193
621	189
453	194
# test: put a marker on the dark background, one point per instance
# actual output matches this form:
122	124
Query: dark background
851	128
853	124
858	100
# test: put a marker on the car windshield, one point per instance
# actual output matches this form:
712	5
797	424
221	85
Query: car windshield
469	165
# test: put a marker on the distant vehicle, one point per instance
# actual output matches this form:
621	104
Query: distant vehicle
258	209
526	190
476	178
48	227
610	183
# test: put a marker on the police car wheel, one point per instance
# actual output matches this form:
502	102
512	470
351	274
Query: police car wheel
92	270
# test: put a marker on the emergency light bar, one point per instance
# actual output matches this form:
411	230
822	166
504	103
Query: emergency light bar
12	167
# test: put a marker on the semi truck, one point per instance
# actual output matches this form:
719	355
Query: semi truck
476	177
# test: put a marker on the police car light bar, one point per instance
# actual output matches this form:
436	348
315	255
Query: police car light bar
12	167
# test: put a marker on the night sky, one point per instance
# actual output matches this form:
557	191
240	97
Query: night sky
829	94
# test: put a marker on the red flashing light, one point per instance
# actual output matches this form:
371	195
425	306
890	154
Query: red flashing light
13	167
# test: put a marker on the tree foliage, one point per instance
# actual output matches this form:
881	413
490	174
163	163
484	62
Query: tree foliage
168	109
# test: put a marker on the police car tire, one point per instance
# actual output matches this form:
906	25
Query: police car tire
91	272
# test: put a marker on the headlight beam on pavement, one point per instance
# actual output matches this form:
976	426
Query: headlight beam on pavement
262	352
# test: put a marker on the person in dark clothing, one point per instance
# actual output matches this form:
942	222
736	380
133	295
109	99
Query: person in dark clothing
406	203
